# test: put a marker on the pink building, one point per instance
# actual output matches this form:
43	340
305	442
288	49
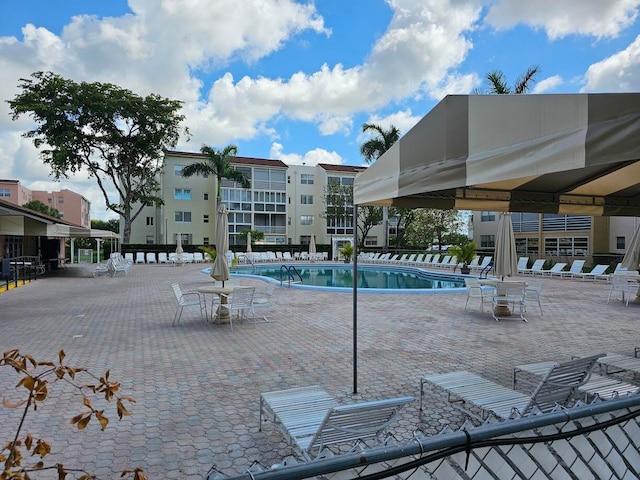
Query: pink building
73	207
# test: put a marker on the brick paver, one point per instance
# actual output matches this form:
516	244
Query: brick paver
197	386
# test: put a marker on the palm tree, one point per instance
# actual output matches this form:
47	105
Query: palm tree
498	81
373	149
218	164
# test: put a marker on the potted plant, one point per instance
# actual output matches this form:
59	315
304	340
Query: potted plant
346	251
465	254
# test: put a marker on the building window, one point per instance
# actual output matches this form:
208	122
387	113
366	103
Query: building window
183	217
487	241
566	246
5	192
370	241
177	170
620	243
205	218
306	219
305	239
60	200
306	179
206	196
149	240
488	217
205	240
149	221
49	201
182	193
306	199
61	213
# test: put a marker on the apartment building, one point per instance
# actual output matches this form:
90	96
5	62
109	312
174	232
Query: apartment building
285	202
73	207
558	236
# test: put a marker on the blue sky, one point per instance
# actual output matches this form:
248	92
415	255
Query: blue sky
296	80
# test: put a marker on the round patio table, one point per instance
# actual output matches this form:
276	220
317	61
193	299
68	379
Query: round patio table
222	314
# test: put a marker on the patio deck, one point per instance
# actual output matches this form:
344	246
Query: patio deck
197	386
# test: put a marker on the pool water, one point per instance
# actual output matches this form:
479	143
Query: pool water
370	277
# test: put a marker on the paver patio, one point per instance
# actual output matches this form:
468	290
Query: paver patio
197	386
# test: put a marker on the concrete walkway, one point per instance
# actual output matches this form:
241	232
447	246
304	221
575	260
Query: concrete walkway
197	386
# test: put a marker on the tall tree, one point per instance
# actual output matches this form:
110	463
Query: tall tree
38	206
368	217
371	150
338	201
217	164
433	227
117	136
497	81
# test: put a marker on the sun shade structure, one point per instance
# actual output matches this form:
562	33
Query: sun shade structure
565	154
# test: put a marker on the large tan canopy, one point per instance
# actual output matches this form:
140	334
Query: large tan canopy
569	154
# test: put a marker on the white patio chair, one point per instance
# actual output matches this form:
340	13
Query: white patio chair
597	273
262	298
522	264
139	257
508	294
535	268
627	285
532	293
198	257
556	269
240	304
186	299
576	269
474	290
151	257
162	257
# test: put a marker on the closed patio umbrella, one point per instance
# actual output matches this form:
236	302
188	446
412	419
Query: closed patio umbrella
505	261
312	248
248	242
631	259
220	267
179	260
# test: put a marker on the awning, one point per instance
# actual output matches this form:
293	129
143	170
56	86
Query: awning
568	154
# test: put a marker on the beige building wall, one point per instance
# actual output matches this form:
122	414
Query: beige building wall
13	192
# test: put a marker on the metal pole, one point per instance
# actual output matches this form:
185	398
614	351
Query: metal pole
355	299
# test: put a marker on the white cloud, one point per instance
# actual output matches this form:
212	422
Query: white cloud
310	158
548	84
559	19
618	73
402	120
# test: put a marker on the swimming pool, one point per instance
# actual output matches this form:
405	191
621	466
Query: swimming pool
371	278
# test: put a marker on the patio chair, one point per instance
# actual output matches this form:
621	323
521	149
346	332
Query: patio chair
557	387
535	268
162	257
575	269
598	272
262	298
198	257
139	257
240	304
311	420
186	299
151	257
626	285
532	292
474	290
594	386
486	260
128	257
508	294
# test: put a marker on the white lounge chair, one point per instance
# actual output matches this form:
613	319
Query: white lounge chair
311	420
486	260
508	295
575	269
198	257
139	257
522	264
474	290
240	303
556	269
535	268
597	273
558	387
162	257
128	257
151	257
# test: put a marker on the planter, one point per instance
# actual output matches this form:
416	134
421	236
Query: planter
465	270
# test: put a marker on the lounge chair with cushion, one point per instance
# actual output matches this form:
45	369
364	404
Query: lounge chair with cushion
311	420
557	387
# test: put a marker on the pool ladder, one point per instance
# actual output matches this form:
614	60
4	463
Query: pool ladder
290	271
